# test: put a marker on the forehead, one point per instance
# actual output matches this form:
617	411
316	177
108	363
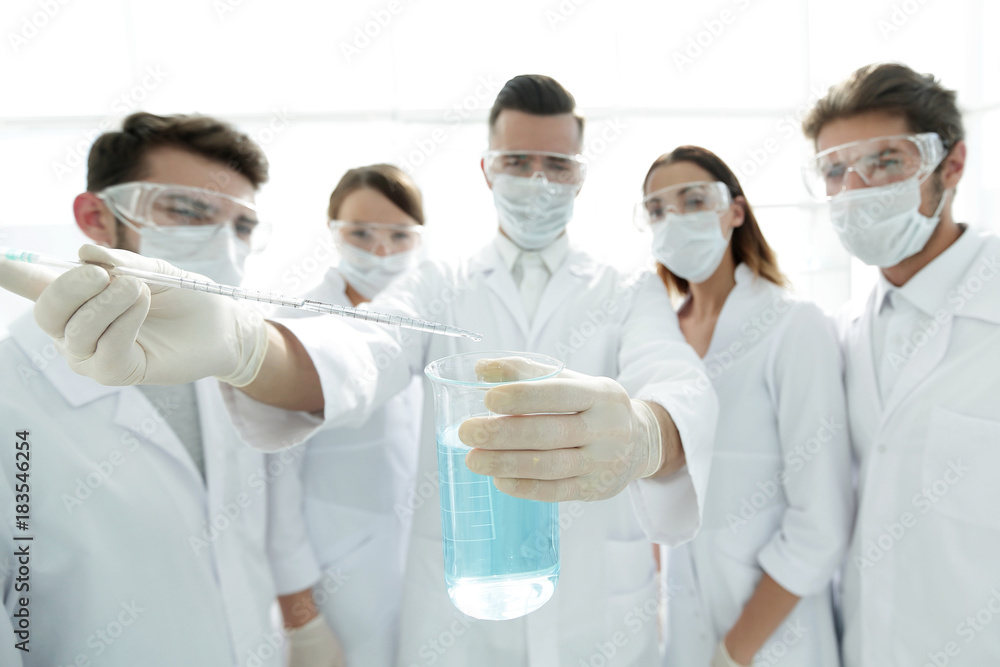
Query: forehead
370	205
676	173
520	131
860	127
175	166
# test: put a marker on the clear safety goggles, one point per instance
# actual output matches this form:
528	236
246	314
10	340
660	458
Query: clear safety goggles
874	162
378	238
157	206
554	167
680	199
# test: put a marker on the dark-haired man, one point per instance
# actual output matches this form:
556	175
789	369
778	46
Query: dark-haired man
922	582
145	511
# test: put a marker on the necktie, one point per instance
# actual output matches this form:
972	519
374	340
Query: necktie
534	275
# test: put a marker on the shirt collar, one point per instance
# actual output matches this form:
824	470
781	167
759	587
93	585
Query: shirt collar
552	255
928	289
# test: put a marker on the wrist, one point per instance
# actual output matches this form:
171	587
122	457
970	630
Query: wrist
736	654
251	342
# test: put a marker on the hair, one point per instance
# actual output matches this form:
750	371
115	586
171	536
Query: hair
535	94
119	156
386	179
896	89
747	244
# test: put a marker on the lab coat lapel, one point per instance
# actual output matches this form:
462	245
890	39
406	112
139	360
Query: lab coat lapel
133	412
982	303
920	365
499	280
215	433
573	275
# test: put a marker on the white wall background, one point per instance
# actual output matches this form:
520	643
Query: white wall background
321	96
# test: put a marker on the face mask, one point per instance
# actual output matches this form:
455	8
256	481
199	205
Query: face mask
883	225
369	274
691	245
204	249
532	212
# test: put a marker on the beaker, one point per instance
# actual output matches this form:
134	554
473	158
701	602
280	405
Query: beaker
501	553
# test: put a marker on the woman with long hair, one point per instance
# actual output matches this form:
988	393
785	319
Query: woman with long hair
754	585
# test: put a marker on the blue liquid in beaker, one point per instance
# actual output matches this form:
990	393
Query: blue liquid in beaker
501	553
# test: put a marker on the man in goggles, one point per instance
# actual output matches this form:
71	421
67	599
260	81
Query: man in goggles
534	192
921	355
152	511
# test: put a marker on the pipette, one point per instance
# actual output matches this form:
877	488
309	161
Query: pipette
275	298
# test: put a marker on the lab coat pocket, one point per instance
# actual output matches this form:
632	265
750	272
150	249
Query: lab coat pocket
960	468
632	604
734	575
630	565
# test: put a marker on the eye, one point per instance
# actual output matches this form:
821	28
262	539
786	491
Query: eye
401	237
360	234
245	228
889	163
187	214
834	171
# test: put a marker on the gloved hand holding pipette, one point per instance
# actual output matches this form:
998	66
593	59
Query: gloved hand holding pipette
124	332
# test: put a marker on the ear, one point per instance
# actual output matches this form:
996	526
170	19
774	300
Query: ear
739	213
482	167
95	220
953	166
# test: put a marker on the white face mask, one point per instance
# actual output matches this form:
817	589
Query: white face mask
691	245
205	249
883	225
532	212
369	274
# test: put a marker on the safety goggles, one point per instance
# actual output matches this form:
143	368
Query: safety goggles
554	167
157	206
680	199
377	237
874	162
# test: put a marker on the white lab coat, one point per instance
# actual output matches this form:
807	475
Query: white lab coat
597	321
132	562
344	492
779	497
922	580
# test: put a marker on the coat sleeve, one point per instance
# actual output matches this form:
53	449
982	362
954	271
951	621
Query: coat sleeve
656	364
360	366
293	563
805	379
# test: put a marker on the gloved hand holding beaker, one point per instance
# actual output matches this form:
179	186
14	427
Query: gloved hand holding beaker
571	437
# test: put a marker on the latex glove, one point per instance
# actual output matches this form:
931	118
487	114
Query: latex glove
721	657
121	331
315	645
601	442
